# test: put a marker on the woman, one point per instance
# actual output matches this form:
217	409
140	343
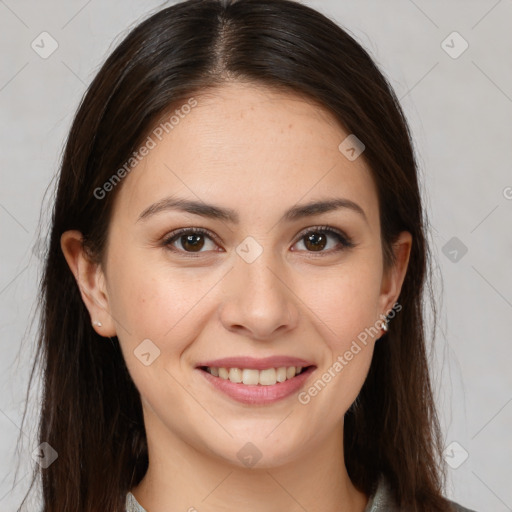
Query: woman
232	298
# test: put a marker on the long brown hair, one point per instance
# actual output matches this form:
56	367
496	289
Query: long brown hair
91	411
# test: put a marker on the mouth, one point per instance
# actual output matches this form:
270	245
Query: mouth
261	386
256	381
256	377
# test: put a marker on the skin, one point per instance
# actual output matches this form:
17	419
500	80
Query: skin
258	152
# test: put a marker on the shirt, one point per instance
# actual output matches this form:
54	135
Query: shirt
380	501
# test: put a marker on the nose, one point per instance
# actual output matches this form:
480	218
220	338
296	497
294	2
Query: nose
258	301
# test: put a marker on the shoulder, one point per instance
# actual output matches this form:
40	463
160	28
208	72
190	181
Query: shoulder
382	500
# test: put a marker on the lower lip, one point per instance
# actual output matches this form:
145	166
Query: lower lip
258	394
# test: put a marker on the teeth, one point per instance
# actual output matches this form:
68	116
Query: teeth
268	377
251	377
235	375
281	374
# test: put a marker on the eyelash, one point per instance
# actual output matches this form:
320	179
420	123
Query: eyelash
344	241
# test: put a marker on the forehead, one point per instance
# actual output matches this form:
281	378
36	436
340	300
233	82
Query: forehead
256	148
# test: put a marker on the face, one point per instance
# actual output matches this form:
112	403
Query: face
212	255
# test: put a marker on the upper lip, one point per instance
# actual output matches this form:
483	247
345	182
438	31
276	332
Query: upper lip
255	363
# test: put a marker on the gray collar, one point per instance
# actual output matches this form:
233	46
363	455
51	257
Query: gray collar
382	499
132	505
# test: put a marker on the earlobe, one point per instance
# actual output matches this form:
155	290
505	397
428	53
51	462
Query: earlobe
90	279
394	276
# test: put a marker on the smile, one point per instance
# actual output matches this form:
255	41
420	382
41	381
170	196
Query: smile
253	377
256	387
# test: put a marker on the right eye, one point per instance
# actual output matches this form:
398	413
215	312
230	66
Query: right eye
192	240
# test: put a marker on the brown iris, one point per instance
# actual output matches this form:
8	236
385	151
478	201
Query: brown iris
192	242
318	241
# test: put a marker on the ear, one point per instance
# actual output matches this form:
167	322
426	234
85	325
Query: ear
91	282
394	276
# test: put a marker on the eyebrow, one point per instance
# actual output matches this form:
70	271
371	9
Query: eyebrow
229	215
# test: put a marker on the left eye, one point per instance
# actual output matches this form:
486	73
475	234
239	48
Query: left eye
316	239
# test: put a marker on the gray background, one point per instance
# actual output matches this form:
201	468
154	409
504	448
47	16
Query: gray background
460	111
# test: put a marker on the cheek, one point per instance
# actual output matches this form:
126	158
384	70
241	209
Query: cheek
151	301
344	300
165	308
345	317
344	303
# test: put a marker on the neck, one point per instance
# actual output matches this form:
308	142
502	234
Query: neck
182	477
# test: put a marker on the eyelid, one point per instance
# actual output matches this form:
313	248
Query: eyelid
200	231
